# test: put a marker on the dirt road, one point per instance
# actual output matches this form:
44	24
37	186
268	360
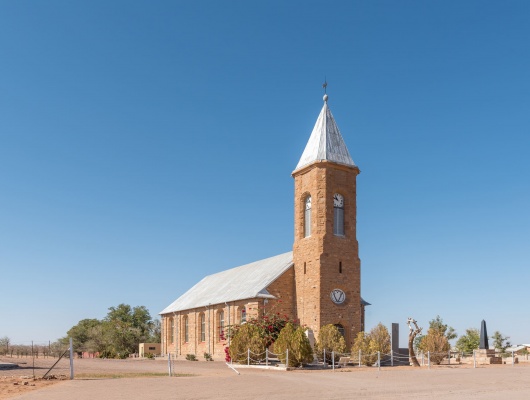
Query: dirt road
216	381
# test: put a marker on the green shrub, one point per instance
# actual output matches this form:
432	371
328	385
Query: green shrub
330	339
468	342
151	356
248	336
208	357
294	340
191	357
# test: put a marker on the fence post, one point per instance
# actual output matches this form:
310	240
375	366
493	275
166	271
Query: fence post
248	356
422	359
333	359
324	358
360	357
474	359
266	357
429	359
71	359
169	363
391	357
513	359
449	354
286	359
379	361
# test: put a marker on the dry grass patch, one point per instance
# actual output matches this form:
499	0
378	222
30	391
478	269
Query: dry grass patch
120	375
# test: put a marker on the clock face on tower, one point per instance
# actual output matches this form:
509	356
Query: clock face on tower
338	200
337	296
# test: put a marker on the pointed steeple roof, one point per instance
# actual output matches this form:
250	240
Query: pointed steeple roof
325	142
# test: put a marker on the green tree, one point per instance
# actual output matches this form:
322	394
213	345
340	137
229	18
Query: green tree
469	342
127	327
80	334
295	340
437	324
117	335
330	339
500	342
156	332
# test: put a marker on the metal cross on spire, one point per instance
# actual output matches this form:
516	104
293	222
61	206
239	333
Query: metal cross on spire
325	85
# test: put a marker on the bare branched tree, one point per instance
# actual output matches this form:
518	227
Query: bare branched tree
413	332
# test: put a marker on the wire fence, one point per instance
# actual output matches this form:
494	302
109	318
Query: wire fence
38	359
332	359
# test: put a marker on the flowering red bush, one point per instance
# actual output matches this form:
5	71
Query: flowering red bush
269	327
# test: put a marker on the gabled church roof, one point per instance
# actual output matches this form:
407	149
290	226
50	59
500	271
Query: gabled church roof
244	282
325	142
248	281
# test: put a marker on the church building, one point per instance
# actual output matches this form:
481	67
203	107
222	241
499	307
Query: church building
317	283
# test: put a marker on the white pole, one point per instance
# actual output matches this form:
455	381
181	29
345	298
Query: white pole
429	359
287	359
513	360
391	357
360	357
324	358
333	359
169	362
449	356
379	361
266	356
248	356
422	359
71	359
474	359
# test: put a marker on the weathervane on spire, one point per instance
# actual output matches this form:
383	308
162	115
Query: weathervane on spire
325	85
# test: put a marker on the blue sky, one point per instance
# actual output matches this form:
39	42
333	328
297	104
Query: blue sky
144	145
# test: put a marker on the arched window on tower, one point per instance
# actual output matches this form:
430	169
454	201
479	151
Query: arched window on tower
338	214
243	315
307	216
172	327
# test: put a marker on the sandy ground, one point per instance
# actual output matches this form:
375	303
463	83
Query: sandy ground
209	380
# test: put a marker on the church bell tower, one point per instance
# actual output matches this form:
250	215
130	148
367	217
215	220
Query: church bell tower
325	249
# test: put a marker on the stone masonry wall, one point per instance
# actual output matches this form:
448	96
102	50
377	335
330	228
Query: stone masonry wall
323	261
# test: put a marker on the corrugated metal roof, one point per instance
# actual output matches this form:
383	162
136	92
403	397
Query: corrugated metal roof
244	282
516	348
325	142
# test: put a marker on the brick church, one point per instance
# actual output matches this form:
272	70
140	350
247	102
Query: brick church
318	282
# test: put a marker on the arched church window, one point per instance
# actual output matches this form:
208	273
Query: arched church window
338	214
221	324
307	216
186	330
172	332
243	315
203	328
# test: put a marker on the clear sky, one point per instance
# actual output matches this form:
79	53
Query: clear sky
144	145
